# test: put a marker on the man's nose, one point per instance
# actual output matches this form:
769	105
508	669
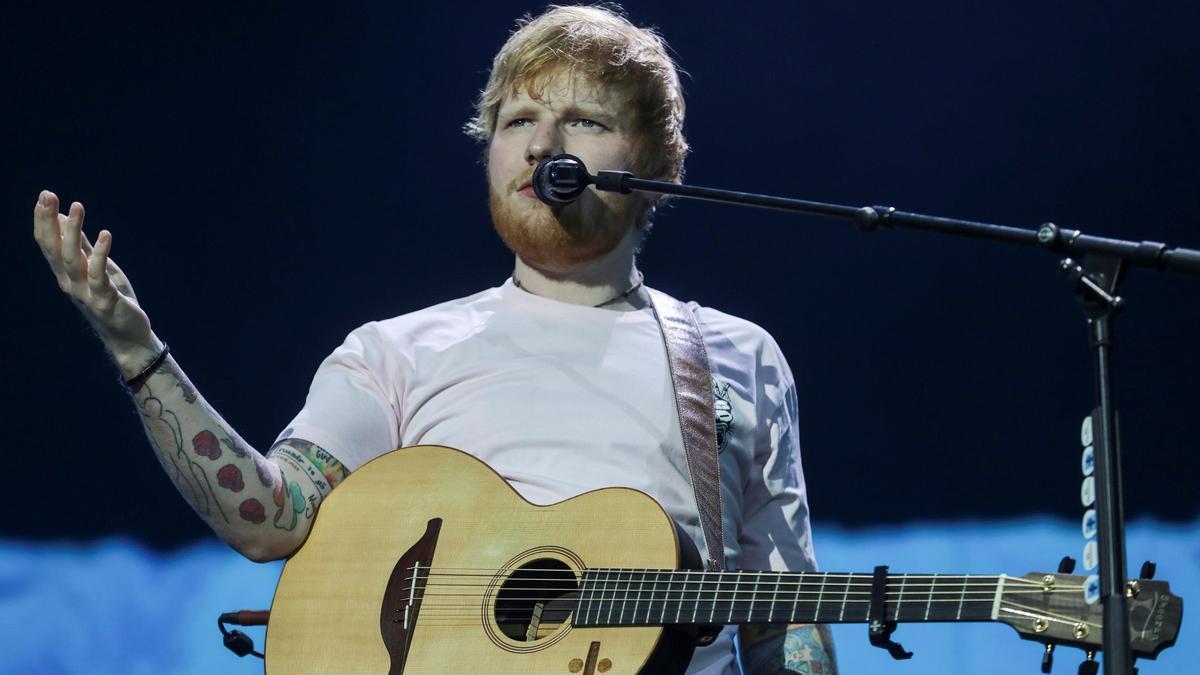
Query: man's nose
545	142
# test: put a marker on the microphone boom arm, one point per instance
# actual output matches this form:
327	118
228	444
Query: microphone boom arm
1151	254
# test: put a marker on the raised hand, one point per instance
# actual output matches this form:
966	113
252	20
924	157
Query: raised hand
94	282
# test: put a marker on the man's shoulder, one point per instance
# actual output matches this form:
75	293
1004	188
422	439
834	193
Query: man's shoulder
744	333
737	343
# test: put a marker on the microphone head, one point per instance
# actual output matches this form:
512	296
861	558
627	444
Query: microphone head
560	180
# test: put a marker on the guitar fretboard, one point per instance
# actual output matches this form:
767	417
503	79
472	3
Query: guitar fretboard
636	597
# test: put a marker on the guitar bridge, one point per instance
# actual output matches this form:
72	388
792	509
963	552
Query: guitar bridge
402	597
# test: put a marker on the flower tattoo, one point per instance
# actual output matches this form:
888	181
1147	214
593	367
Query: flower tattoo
206	444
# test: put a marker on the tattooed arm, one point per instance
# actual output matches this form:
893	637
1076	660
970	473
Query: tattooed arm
262	507
796	648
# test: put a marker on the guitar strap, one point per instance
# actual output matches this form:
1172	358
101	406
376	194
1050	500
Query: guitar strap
692	381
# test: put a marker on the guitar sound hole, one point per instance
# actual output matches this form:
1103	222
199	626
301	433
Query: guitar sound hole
537	598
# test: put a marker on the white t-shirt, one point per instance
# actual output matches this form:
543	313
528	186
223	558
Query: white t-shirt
561	399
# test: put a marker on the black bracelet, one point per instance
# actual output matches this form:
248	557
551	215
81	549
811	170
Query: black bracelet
135	383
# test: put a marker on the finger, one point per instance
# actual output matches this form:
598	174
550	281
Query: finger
72	251
97	266
45	221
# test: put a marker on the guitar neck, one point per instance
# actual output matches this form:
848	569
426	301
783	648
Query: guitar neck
635	597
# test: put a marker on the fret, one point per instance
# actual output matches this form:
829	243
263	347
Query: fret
733	598
774	597
793	616
605	590
591	615
899	598
612	601
845	597
625	598
662	618
637	596
638	599
961	599
820	596
589	587
607	593
652	600
712	605
696	603
597	604
929	602
754	598
579	614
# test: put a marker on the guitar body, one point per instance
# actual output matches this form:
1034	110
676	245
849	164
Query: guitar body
345	600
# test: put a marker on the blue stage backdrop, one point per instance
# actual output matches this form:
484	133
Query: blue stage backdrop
113	606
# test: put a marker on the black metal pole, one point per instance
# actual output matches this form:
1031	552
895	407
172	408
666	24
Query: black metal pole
1110	512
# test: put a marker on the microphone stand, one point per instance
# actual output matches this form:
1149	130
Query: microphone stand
1096	277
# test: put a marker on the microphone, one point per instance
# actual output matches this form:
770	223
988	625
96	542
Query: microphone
560	180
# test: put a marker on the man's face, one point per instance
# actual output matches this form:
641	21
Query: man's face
576	117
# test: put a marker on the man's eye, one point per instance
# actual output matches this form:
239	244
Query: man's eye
518	122
587	124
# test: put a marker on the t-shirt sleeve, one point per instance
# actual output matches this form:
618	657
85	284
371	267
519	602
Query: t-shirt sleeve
775	532
351	409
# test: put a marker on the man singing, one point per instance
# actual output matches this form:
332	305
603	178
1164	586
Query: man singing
557	378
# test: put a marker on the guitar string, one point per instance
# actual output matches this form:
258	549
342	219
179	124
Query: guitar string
726	599
779	581
473	611
832	591
489	580
833	602
834	594
722	577
685	590
1050	615
439	610
923	599
730	575
459	611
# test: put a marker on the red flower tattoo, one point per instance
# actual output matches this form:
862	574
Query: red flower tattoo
253	511
206	444
229	476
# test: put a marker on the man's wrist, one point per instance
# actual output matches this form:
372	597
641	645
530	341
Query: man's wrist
132	359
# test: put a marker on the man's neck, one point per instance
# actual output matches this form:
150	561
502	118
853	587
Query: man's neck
611	281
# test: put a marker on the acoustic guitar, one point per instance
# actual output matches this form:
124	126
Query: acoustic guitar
426	561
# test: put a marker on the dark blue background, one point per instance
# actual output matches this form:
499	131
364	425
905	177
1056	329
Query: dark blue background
275	174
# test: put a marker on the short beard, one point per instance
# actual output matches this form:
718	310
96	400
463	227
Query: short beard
552	240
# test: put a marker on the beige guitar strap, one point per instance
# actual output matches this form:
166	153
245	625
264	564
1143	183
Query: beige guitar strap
692	379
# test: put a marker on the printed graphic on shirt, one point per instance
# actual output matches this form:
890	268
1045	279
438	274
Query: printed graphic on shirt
724	412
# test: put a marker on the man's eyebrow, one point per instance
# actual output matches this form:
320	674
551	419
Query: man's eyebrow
522	108
583	109
588	110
